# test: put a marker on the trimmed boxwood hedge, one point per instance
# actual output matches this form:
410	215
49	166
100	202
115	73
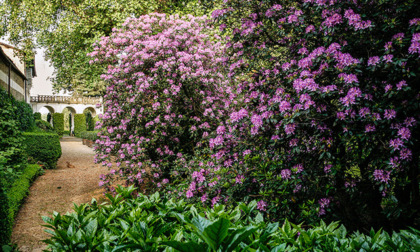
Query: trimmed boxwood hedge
5	224
58	123
44	147
89	135
20	188
12	199
79	124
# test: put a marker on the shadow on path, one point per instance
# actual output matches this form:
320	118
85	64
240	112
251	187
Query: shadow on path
75	179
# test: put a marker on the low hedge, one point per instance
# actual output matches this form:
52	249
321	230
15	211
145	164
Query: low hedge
79	124
5	224
58	123
20	188
44	126
43	147
11	200
89	135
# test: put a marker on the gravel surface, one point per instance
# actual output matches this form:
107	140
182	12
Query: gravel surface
75	180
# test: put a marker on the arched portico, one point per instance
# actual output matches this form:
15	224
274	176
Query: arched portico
78	105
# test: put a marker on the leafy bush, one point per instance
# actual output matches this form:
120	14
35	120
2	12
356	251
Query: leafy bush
20	189
11	197
24	115
171	107
5	224
58	123
79	124
90	123
43	147
324	119
37	116
11	153
155	223
44	126
89	135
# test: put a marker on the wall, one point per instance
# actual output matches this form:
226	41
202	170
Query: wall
17	81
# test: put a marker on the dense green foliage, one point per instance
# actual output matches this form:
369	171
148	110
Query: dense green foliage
20	189
89	135
49	117
75	26
154	223
37	116
43	126
90	122
58	123
79	124
43	147
70	123
24	115
11	153
5	224
11	198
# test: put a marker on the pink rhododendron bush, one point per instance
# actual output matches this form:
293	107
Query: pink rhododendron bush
329	118
313	110
162	99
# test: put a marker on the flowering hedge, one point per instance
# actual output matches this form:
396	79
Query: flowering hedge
163	89
318	117
332	111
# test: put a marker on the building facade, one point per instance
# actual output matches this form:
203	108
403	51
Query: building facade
15	76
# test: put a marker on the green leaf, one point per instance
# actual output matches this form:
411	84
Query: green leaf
186	247
237	237
216	232
91	228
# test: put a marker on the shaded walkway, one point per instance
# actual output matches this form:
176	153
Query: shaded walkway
75	180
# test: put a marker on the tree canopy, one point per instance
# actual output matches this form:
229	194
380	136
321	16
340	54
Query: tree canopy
67	30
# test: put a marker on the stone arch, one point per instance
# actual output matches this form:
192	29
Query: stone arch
72	112
70	108
50	109
92	111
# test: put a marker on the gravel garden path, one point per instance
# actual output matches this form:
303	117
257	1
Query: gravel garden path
75	180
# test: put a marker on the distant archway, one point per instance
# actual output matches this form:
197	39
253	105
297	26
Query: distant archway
69	113
46	109
91	110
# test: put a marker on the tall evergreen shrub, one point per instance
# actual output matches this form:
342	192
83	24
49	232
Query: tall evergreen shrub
58	123
79	124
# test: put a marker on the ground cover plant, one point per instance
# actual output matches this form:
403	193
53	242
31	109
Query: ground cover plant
131	222
313	113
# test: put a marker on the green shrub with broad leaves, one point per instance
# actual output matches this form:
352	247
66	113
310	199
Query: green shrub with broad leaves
79	124
58	123
157	223
43	147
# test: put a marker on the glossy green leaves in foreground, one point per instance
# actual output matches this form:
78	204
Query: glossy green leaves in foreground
155	223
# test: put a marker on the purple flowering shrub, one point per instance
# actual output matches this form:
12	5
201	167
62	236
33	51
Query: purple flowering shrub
163	94
326	110
316	117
